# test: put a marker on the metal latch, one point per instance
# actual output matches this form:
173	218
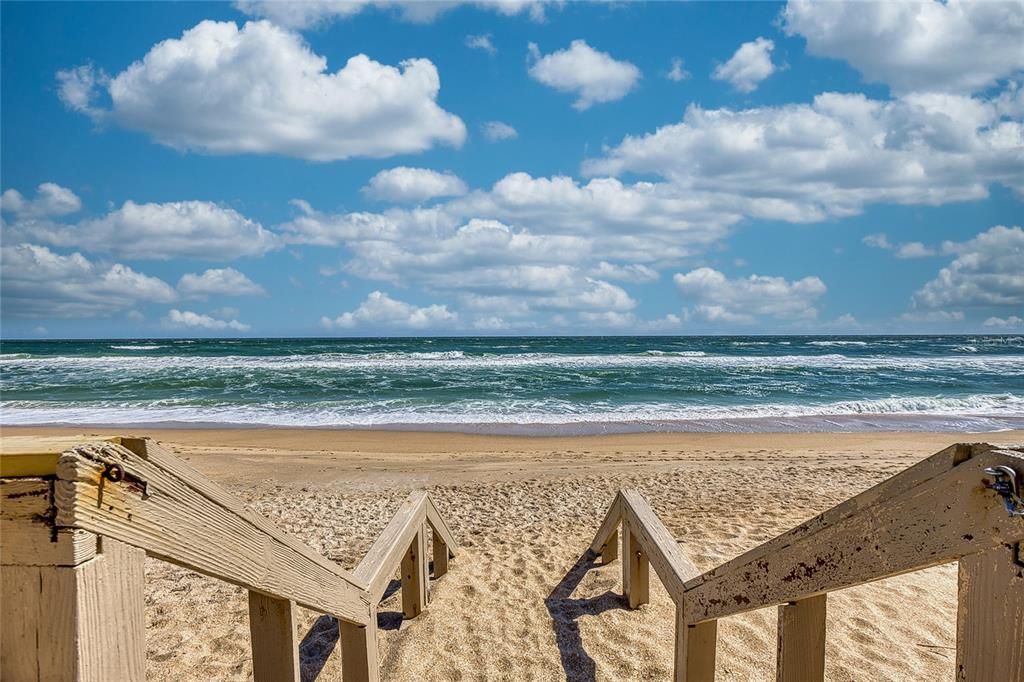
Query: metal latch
1008	487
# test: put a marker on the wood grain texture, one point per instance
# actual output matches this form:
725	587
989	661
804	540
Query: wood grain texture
610	548
939	520
414	577
28	536
939	463
636	568
695	649
384	556
275	646
990	616
359	653
84	622
441	555
660	547
440	526
609	525
181	517
800	656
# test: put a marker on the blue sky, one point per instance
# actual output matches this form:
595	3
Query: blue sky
176	169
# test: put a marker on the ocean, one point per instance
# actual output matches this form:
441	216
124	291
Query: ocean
528	385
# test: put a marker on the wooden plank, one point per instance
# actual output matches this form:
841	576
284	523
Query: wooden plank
181	517
439	525
670	562
925	470
384	556
440	548
695	649
37	455
609	525
635	568
990	617
942	519
28	536
84	622
414	577
801	641
110	612
275	646
359	653
19	652
425	561
610	548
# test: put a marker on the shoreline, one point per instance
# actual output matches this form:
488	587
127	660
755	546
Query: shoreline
823	424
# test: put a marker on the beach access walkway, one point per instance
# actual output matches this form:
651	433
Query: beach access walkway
79	517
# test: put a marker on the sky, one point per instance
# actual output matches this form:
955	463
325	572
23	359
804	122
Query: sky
517	167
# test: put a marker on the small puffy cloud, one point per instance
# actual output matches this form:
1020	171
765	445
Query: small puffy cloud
751	64
677	72
37	282
481	42
593	76
413	184
315	13
633	272
987	271
186	319
218	282
380	310
904	251
261	89
496	131
963	46
717	298
1011	322
178	229
51	200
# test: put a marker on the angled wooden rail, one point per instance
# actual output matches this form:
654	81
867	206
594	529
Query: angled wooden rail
77	526
940	510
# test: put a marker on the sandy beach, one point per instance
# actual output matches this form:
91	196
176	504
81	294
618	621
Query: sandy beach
517	604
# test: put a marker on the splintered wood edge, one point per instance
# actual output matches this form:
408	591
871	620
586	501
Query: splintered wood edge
24	456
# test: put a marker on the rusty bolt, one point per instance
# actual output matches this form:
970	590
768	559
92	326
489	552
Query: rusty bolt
114	472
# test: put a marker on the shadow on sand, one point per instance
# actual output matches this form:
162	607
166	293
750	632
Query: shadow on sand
564	611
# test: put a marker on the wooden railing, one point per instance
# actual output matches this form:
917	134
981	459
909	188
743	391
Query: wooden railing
76	528
940	510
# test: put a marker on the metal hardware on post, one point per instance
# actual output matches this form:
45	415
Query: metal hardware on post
1007	486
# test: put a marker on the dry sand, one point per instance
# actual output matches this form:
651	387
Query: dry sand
516	604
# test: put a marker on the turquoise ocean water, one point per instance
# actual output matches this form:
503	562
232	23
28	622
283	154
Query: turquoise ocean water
524	385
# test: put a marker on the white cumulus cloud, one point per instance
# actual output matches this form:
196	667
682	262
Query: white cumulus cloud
750	65
51	200
831	157
987	271
1011	322
717	298
186	319
154	231
956	46
481	42
38	283
413	184
218	282
593	76
260	89
303	14
380	310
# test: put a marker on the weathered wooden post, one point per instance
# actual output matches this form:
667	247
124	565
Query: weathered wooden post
359	651
440	554
414	577
695	650
275	646
635	568
801	640
990	616
73	604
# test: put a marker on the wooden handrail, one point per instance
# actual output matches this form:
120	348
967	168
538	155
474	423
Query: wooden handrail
937	511
89	516
170	510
